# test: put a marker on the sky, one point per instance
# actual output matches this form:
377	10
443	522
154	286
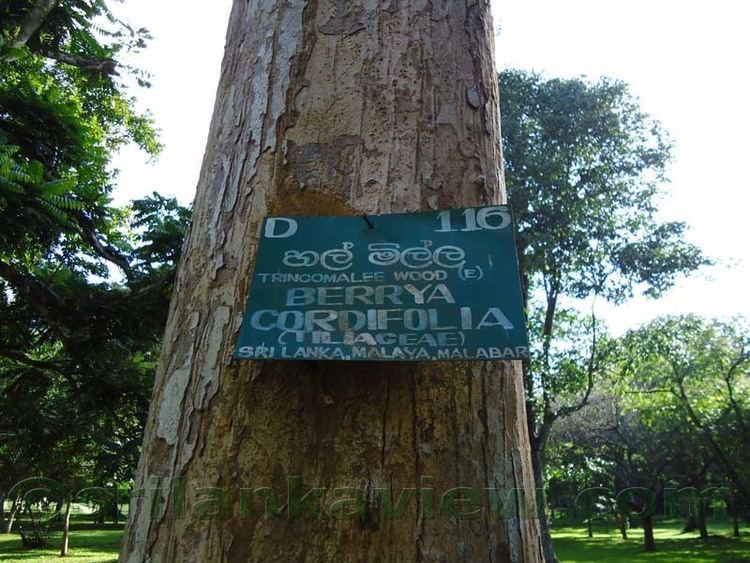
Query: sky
686	61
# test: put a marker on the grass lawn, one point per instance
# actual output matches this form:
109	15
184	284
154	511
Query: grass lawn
573	544
90	545
87	545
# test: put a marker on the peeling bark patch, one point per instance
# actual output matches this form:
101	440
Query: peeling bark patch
214	343
325	164
345	20
173	393
217	264
169	410
472	96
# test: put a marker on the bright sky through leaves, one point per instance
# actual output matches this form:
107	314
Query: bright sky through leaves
686	60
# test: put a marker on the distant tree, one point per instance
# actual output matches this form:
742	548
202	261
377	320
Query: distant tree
74	395
84	286
624	454
583	167
700	370
671	418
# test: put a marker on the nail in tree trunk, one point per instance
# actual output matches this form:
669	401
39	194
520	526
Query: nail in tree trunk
333	108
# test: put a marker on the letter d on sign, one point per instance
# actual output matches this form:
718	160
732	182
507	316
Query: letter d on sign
281	222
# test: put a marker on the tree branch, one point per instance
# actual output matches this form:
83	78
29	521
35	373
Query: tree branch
42	298
105	66
743	357
107	252
590	371
549	319
21	358
711	442
33	20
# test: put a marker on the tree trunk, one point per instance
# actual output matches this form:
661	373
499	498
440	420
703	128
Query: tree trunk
649	543
701	519
333	108
735	513
12	517
545	531
66	528
622	522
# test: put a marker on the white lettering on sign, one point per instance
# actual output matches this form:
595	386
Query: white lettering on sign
274	226
412	319
477	220
336	259
380	295
438	286
389	254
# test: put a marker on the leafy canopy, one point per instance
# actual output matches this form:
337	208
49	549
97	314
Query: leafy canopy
583	165
84	285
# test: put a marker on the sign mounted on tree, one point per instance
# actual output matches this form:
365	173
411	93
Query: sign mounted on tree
411	287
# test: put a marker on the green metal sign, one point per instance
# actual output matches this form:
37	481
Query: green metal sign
411	287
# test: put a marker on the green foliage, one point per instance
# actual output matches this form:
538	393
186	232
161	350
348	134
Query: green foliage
671	416
64	111
583	165
84	286
162	226
695	373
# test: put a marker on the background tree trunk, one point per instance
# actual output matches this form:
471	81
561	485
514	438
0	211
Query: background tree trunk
735	512
334	108
649	543
65	541
701	520
622	525
545	528
12	517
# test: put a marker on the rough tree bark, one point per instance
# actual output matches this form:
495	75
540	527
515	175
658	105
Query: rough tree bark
333	107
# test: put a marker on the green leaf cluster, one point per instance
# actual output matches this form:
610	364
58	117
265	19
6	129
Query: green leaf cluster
84	285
